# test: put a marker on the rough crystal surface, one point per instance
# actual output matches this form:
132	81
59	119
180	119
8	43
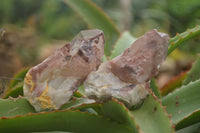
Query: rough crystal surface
126	77
102	85
52	83
141	61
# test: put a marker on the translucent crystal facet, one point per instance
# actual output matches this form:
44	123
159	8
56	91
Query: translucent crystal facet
52	83
126	77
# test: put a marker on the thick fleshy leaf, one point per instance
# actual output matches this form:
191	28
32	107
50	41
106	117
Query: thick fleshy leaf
172	84
189	120
76	102
183	101
15	91
19	77
180	38
125	41
194	73
71	121
78	94
152	117
154	88
118	112
96	18
112	109
15	106
191	129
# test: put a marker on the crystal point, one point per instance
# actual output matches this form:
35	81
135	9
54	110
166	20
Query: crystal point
52	83
140	61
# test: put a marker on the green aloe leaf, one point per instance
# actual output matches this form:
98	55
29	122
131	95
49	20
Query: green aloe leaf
116	111
112	109
15	87
15	106
124	41
152	117
16	91
154	88
189	120
173	84
183	101
76	103
191	129
19	77
194	73
180	38
96	18
71	121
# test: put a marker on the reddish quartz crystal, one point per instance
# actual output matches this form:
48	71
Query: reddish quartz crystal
141	61
52	83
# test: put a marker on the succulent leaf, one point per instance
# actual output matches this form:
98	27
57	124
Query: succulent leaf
173	84
124	41
180	38
15	91
152	117
189	120
71	121
191	129
194	73
14	106
154	88
183	101
112	109
19	77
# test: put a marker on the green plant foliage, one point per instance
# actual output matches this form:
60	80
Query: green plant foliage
174	83
124	41
116	111
183	101
71	121
180	38
191	129
154	88
14	106
112	109
15	87
96	18
152	118
19	77
191	119
76	102
15	91
78	94
194	73
83	115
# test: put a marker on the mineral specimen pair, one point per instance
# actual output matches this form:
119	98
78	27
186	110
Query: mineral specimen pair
53	82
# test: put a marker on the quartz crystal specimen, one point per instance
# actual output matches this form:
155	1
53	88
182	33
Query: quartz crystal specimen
141	61
126	77
52	83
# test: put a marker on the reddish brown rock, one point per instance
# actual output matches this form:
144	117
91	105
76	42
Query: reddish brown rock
52	83
140	62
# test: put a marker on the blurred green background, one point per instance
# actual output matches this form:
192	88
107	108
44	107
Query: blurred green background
35	28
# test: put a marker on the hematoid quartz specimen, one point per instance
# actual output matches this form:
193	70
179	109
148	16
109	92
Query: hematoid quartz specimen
52	83
127	76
